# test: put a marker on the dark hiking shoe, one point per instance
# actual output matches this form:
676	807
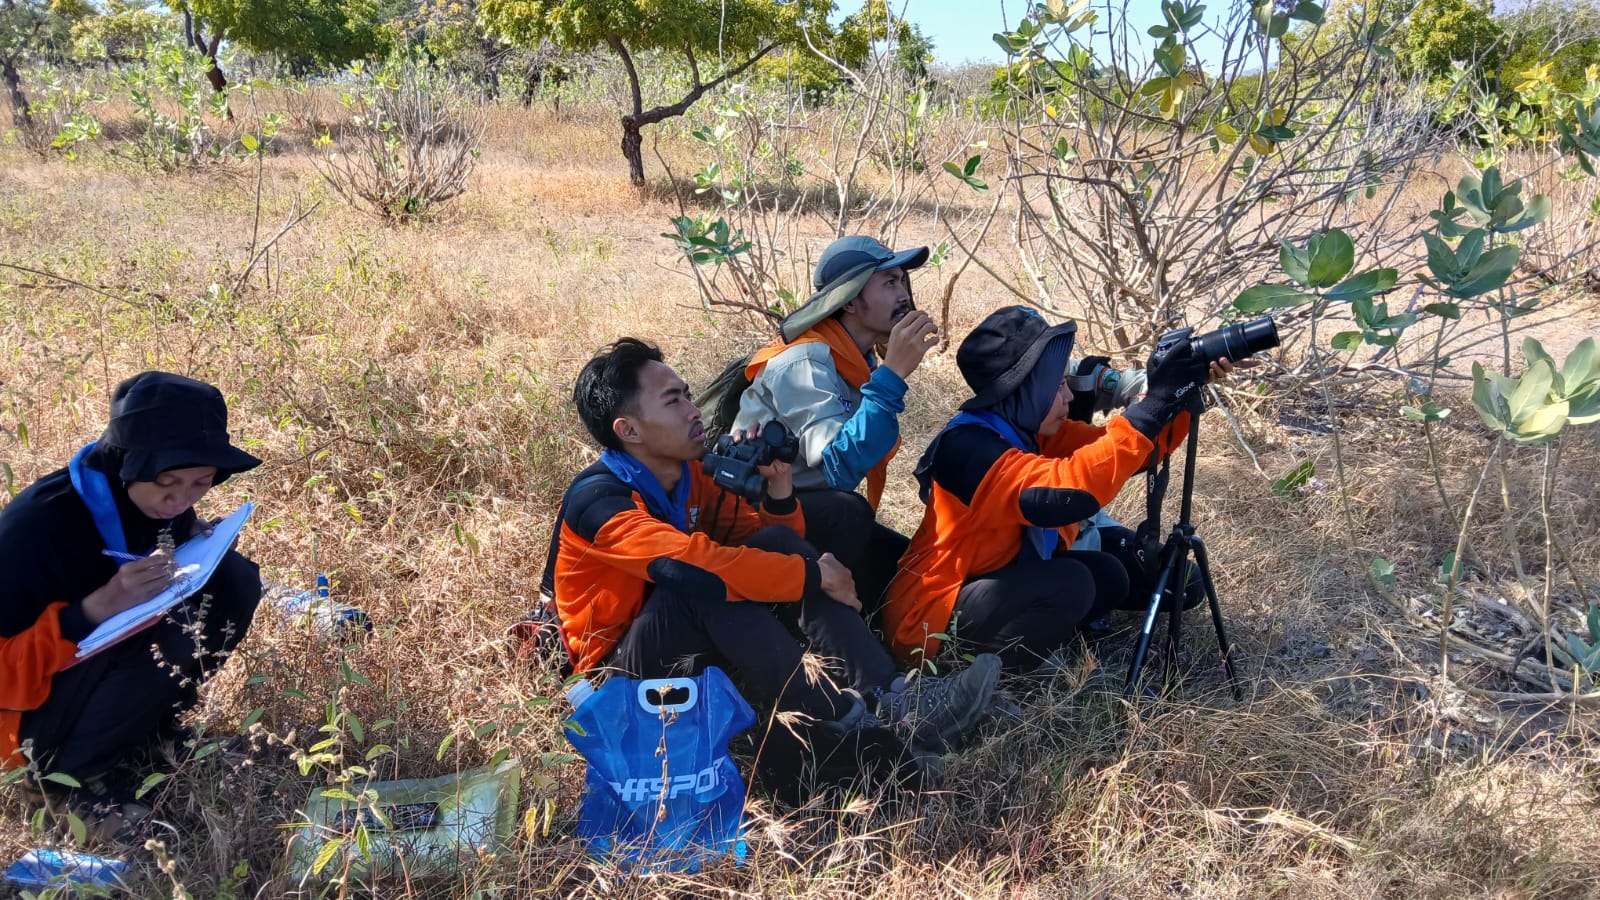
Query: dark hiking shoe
937	711
857	718
1004	711
97	814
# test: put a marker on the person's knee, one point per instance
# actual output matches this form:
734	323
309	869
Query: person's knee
685	578
235	591
780	539
1111	577
845	518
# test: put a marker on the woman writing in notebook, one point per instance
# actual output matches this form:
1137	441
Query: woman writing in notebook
89	541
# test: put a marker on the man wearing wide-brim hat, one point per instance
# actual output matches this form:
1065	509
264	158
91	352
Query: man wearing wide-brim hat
1007	482
822	378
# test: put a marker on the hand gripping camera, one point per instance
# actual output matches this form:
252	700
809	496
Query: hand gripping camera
734	465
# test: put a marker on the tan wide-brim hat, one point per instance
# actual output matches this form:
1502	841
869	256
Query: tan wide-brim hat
842	271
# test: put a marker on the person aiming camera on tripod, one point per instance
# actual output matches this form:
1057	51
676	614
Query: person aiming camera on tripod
1007	482
659	572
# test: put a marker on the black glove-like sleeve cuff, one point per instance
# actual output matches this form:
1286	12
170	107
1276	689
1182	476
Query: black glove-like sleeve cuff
1150	415
75	626
781	507
813	586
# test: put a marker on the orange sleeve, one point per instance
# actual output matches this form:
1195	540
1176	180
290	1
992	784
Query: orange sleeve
30	659
1100	466
1074	435
630	540
1069	437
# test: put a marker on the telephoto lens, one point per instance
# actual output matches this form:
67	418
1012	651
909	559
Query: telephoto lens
1236	342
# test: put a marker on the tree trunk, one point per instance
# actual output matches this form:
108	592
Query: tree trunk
219	81
632	140
197	39
20	108
633	149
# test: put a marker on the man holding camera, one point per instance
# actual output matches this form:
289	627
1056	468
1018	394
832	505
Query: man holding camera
656	567
1007	482
821	378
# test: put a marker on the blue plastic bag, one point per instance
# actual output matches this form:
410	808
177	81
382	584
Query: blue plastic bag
661	792
46	867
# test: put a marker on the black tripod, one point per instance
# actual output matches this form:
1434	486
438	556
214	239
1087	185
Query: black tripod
1172	575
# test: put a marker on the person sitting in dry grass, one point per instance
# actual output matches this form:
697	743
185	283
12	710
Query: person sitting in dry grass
87	542
821	378
659	572
1007	482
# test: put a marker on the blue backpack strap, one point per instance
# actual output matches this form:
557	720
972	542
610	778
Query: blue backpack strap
94	488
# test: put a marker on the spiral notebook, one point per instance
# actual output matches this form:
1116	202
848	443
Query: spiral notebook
196	559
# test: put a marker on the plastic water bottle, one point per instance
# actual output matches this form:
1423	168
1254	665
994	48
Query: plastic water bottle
322	613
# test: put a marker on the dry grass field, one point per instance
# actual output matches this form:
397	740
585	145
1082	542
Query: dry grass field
408	389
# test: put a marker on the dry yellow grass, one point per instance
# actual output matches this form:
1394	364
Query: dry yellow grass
407	387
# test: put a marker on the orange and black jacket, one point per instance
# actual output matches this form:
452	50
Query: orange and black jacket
985	494
50	560
609	537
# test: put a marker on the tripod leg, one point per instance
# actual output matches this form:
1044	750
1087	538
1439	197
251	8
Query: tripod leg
1177	578
1172	554
1203	560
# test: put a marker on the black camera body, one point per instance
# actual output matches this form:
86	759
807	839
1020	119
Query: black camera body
1230	342
733	465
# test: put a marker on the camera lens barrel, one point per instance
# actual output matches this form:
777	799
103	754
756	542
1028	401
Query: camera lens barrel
1236	342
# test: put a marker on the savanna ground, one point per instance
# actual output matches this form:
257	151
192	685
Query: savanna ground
408	389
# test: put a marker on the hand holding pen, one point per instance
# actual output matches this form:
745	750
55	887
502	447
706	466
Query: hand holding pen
137	580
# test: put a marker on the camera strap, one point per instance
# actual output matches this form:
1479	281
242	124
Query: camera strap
1147	537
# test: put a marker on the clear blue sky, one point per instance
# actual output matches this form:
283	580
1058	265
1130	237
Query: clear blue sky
962	30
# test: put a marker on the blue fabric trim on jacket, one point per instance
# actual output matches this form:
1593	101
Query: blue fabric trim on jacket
95	489
869	434
672	509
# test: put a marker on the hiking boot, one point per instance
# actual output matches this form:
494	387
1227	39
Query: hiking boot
105	817
938	710
856	718
1005	711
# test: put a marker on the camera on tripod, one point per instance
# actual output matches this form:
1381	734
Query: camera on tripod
734	465
1231	342
1169	562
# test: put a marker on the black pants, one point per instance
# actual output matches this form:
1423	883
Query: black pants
844	524
112	705
687	623
1029	609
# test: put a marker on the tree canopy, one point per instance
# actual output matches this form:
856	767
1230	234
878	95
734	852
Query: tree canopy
305	33
724	38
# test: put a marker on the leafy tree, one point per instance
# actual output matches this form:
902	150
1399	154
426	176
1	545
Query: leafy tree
1440	33
913	52
739	33
305	33
1553	41
821	67
452	36
25	26
121	30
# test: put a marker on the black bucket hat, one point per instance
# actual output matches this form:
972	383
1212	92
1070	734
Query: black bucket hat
842	271
160	421
998	355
